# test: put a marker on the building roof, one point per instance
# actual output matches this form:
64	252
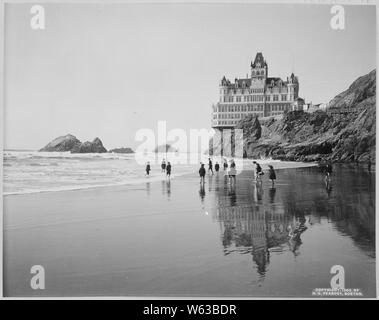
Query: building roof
247	82
259	59
275	80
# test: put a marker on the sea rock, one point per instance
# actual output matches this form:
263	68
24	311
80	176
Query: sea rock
96	146
121	150
165	148
61	144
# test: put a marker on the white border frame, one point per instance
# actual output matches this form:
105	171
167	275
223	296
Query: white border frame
2	133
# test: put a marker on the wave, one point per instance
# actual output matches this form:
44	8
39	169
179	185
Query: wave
97	186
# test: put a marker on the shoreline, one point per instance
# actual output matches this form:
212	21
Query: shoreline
292	165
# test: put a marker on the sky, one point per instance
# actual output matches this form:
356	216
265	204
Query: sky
108	70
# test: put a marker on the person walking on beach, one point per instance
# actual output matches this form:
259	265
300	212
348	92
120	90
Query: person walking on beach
217	167
258	170
225	165
210	165
202	173
271	175
148	168
168	170
163	165
232	172
328	171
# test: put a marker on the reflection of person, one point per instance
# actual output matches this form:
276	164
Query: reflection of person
168	170
168	188
163	187
271	175
202	173
148	168
232	194
328	187
202	192
271	193
148	188
259	189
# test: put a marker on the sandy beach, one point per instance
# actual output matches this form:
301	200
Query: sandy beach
178	239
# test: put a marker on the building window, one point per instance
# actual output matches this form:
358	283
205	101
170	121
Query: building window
276	98
284	97
268	98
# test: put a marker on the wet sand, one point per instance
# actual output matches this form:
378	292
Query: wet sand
179	239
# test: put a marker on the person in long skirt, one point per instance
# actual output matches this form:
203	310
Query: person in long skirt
258	171
271	175
148	168
232	172
210	166
217	167
202	173
225	165
163	165
328	171
168	170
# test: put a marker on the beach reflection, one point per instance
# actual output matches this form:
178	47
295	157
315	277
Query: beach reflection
202	192
263	224
166	188
257	230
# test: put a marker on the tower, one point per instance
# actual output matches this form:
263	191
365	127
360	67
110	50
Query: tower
293	87
259	68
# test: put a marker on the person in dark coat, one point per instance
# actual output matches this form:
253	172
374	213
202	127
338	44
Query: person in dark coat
232	172
328	170
258	170
168	170
225	165
210	166
217	167
148	168
271	175
163	165
202	173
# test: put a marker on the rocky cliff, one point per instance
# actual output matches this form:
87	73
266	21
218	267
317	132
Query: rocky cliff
345	132
72	144
96	146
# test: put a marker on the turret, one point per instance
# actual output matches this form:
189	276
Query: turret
223	88
293	87
259	68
